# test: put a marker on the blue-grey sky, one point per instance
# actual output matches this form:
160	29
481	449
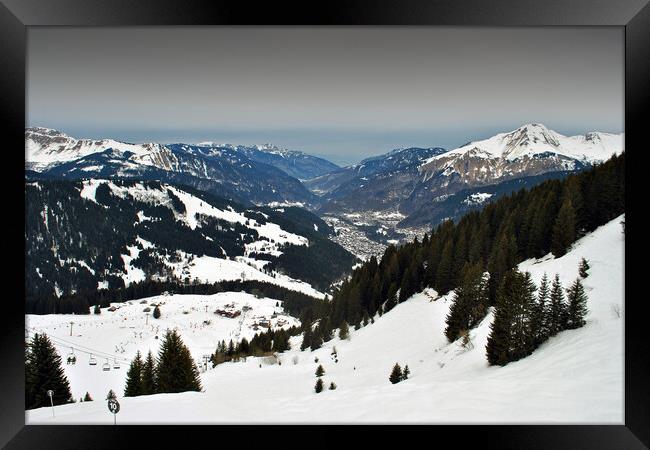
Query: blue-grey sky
344	93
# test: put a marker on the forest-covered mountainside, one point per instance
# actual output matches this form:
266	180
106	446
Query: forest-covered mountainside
529	223
106	234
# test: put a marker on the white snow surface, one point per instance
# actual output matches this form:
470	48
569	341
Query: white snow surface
574	377
125	331
477	198
534	138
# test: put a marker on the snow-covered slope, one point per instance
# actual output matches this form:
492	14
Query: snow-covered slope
535	139
575	377
45	147
91	234
125	331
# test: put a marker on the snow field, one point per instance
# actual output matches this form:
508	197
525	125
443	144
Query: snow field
123	332
574	377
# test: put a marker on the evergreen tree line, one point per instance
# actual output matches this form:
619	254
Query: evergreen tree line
294	303
471	299
43	372
525	224
262	344
523	320
172	371
313	337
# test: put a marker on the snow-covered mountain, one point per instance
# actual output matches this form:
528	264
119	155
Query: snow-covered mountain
415	182
574	377
46	148
224	171
534	139
85	235
531	149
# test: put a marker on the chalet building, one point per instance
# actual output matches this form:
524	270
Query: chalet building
229	314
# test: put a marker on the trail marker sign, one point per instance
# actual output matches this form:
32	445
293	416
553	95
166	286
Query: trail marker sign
114	407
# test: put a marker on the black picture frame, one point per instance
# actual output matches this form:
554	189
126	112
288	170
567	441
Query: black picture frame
17	15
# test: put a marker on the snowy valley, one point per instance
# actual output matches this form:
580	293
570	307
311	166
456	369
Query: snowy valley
574	377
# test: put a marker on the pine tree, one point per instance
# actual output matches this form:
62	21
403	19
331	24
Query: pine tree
344	331
87	397
306	338
444	274
133	386
156	312
97	310
557	314
583	268
320	371
149	375
392	298
396	374
245	347
111	395
503	257
406	372
43	372
540	313
564	230
280	342
319	385
470	302
176	370
332	386
577	308
409	283
510	336
316	338
523	303
326	328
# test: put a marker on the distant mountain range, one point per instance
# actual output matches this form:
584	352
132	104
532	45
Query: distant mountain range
295	163
418	181
244	174
375	183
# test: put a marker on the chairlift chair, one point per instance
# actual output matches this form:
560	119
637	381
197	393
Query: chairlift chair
72	359
106	366
92	361
116	365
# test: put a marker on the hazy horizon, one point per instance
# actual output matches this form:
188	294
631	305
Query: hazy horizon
341	93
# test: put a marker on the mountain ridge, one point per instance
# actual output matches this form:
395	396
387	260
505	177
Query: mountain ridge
94	234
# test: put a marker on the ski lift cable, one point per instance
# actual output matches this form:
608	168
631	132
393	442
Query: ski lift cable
97	353
86	350
89	350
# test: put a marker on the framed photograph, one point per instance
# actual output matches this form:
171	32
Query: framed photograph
408	213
